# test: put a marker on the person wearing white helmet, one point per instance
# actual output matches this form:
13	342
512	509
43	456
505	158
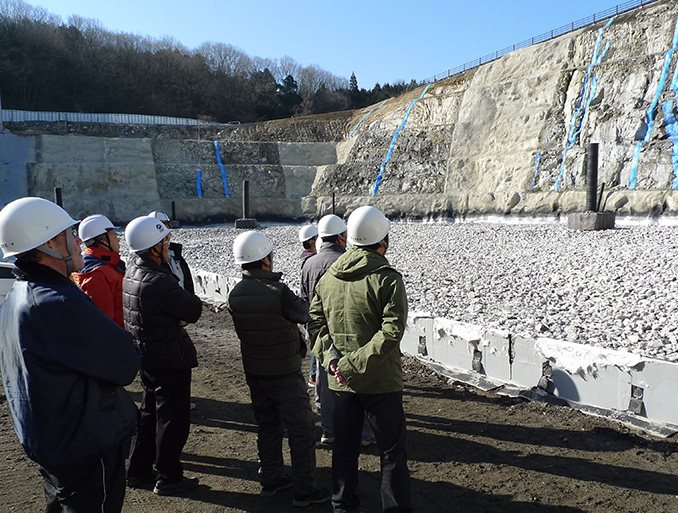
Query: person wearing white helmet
308	235
155	309
332	233
175	259
358	318
64	364
101	276
265	315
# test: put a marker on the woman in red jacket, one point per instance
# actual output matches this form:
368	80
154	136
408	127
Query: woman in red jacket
101	278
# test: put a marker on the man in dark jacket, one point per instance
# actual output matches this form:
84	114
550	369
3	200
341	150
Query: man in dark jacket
175	259
265	314
64	364
155	309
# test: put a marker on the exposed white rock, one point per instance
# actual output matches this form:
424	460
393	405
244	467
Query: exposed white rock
615	289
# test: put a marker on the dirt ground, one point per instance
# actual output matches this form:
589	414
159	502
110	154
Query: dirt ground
469	451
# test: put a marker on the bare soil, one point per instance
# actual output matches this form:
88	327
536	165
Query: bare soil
469	451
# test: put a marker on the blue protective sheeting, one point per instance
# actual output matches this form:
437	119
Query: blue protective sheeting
587	95
198	182
536	170
651	112
392	145
223	170
363	118
672	132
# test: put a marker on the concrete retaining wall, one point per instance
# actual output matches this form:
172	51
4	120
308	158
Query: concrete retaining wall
624	386
123	178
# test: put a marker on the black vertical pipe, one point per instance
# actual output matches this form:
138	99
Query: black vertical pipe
58	199
333	203
245	199
174	211
592	177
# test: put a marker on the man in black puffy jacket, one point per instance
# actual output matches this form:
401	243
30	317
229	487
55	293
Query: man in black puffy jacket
155	309
265	314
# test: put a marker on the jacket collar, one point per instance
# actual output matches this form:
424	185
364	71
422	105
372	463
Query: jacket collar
333	247
31	271
260	274
104	255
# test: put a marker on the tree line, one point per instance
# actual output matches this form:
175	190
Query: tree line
79	66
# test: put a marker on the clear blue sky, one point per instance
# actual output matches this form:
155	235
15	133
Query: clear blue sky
381	41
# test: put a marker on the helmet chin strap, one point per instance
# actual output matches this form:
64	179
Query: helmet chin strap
54	253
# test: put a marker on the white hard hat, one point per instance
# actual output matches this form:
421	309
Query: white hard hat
366	226
331	225
251	246
307	232
29	222
93	226
144	232
159	214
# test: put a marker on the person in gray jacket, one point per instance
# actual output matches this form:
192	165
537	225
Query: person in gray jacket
265	315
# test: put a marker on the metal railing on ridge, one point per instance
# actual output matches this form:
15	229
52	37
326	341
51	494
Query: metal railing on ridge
546	36
21	116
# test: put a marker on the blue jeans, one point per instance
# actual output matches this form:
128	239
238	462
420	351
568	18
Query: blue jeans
385	414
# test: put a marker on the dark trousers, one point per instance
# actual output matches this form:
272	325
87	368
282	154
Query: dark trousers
164	423
98	486
385	414
278	404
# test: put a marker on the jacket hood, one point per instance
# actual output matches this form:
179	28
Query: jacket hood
357	262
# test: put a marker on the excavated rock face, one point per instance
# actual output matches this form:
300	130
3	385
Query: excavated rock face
519	126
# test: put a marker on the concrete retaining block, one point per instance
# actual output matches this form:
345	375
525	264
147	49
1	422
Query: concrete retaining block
213	288
621	385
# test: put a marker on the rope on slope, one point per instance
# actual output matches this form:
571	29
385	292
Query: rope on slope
395	136
652	111
223	170
588	93
363	118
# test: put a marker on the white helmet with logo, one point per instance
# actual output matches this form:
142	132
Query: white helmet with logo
144	232
366	226
307	232
159	214
331	225
94	225
28	223
251	246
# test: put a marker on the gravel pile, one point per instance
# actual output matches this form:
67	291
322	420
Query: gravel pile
616	289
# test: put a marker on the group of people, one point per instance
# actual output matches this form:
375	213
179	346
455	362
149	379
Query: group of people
354	306
79	328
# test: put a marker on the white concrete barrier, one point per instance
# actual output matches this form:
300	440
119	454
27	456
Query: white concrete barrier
624	386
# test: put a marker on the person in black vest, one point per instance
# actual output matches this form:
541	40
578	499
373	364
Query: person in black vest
155	309
265	315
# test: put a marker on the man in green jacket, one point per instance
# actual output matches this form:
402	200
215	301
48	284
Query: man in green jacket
358	318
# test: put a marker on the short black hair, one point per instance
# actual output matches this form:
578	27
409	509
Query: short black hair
376	245
331	238
257	264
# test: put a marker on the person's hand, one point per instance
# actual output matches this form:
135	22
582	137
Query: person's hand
334	369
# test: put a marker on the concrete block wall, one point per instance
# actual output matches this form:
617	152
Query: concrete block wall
625	386
621	385
127	177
